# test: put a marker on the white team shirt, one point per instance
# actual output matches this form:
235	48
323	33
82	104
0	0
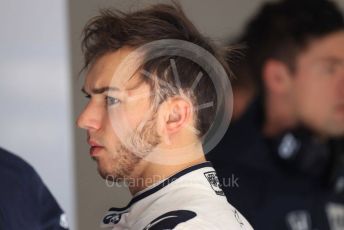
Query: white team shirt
190	199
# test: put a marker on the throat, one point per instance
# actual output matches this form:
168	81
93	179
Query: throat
154	173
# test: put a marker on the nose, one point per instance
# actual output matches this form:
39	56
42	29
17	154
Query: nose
90	118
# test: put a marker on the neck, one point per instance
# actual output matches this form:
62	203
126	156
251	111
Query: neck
278	117
153	172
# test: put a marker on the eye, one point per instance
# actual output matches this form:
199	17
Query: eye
87	96
111	101
330	69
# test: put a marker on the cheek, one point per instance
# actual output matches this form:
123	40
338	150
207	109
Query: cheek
137	111
313	100
123	121
111	134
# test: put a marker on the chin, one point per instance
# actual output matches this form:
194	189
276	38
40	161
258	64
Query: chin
338	133
335	132
103	174
109	175
103	171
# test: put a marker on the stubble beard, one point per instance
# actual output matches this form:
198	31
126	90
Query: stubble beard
126	161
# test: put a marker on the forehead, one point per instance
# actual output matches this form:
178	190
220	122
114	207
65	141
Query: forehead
108	70
328	47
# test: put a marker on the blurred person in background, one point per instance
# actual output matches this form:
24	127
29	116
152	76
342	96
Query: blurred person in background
25	201
243	86
285	152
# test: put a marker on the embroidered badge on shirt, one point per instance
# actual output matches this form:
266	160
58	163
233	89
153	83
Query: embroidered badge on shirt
214	182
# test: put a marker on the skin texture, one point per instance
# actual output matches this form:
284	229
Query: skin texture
312	94
124	132
96	119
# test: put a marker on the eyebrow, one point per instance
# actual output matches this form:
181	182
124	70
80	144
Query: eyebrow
331	59
100	90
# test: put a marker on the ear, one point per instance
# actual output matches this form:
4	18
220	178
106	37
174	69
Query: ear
276	76
176	114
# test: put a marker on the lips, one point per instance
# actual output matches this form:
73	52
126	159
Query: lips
95	147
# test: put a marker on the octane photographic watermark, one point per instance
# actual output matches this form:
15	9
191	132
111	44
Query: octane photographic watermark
176	48
113	182
230	182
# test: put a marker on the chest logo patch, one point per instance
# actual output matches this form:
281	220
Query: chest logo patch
214	182
112	218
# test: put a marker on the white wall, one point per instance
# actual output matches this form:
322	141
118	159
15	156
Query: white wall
35	97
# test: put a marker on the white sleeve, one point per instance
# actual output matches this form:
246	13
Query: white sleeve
201	224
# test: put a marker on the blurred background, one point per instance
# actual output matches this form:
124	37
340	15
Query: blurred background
40	96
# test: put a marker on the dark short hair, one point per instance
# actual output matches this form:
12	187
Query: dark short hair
113	29
281	30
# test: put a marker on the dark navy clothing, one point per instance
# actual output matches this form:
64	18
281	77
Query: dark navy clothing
25	202
270	194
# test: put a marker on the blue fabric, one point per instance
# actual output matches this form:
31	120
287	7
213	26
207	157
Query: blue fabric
25	202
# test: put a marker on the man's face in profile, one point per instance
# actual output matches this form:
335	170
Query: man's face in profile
317	87
111	108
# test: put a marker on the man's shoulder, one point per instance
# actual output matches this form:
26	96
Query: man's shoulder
196	201
237	222
192	196
189	218
12	166
186	217
17	176
22	183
